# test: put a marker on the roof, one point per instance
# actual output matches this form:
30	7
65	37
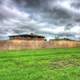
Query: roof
27	35
67	39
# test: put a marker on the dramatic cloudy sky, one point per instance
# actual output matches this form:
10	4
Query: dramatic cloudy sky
43	17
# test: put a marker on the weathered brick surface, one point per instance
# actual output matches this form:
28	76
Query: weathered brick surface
3	45
24	44
64	43
21	44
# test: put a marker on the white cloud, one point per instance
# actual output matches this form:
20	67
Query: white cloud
54	30
75	30
16	21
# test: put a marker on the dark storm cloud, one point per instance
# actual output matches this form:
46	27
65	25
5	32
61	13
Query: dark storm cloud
54	10
39	16
76	4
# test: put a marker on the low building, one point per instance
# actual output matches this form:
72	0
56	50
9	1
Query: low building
26	41
27	37
64	43
31	41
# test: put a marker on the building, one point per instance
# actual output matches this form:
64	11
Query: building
32	41
26	41
27	37
64	43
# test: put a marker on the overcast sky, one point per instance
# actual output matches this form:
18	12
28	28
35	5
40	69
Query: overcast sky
43	17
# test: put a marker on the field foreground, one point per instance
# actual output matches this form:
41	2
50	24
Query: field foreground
41	64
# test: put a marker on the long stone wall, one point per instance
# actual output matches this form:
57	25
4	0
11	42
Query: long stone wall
64	43
22	44
34	44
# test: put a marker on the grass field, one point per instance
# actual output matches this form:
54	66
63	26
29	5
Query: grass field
41	64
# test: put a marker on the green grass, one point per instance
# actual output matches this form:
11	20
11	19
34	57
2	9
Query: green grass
40	64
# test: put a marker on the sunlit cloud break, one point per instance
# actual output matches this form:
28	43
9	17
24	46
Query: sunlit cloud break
43	17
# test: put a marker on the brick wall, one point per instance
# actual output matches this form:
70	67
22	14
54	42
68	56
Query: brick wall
21	44
24	44
64	43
